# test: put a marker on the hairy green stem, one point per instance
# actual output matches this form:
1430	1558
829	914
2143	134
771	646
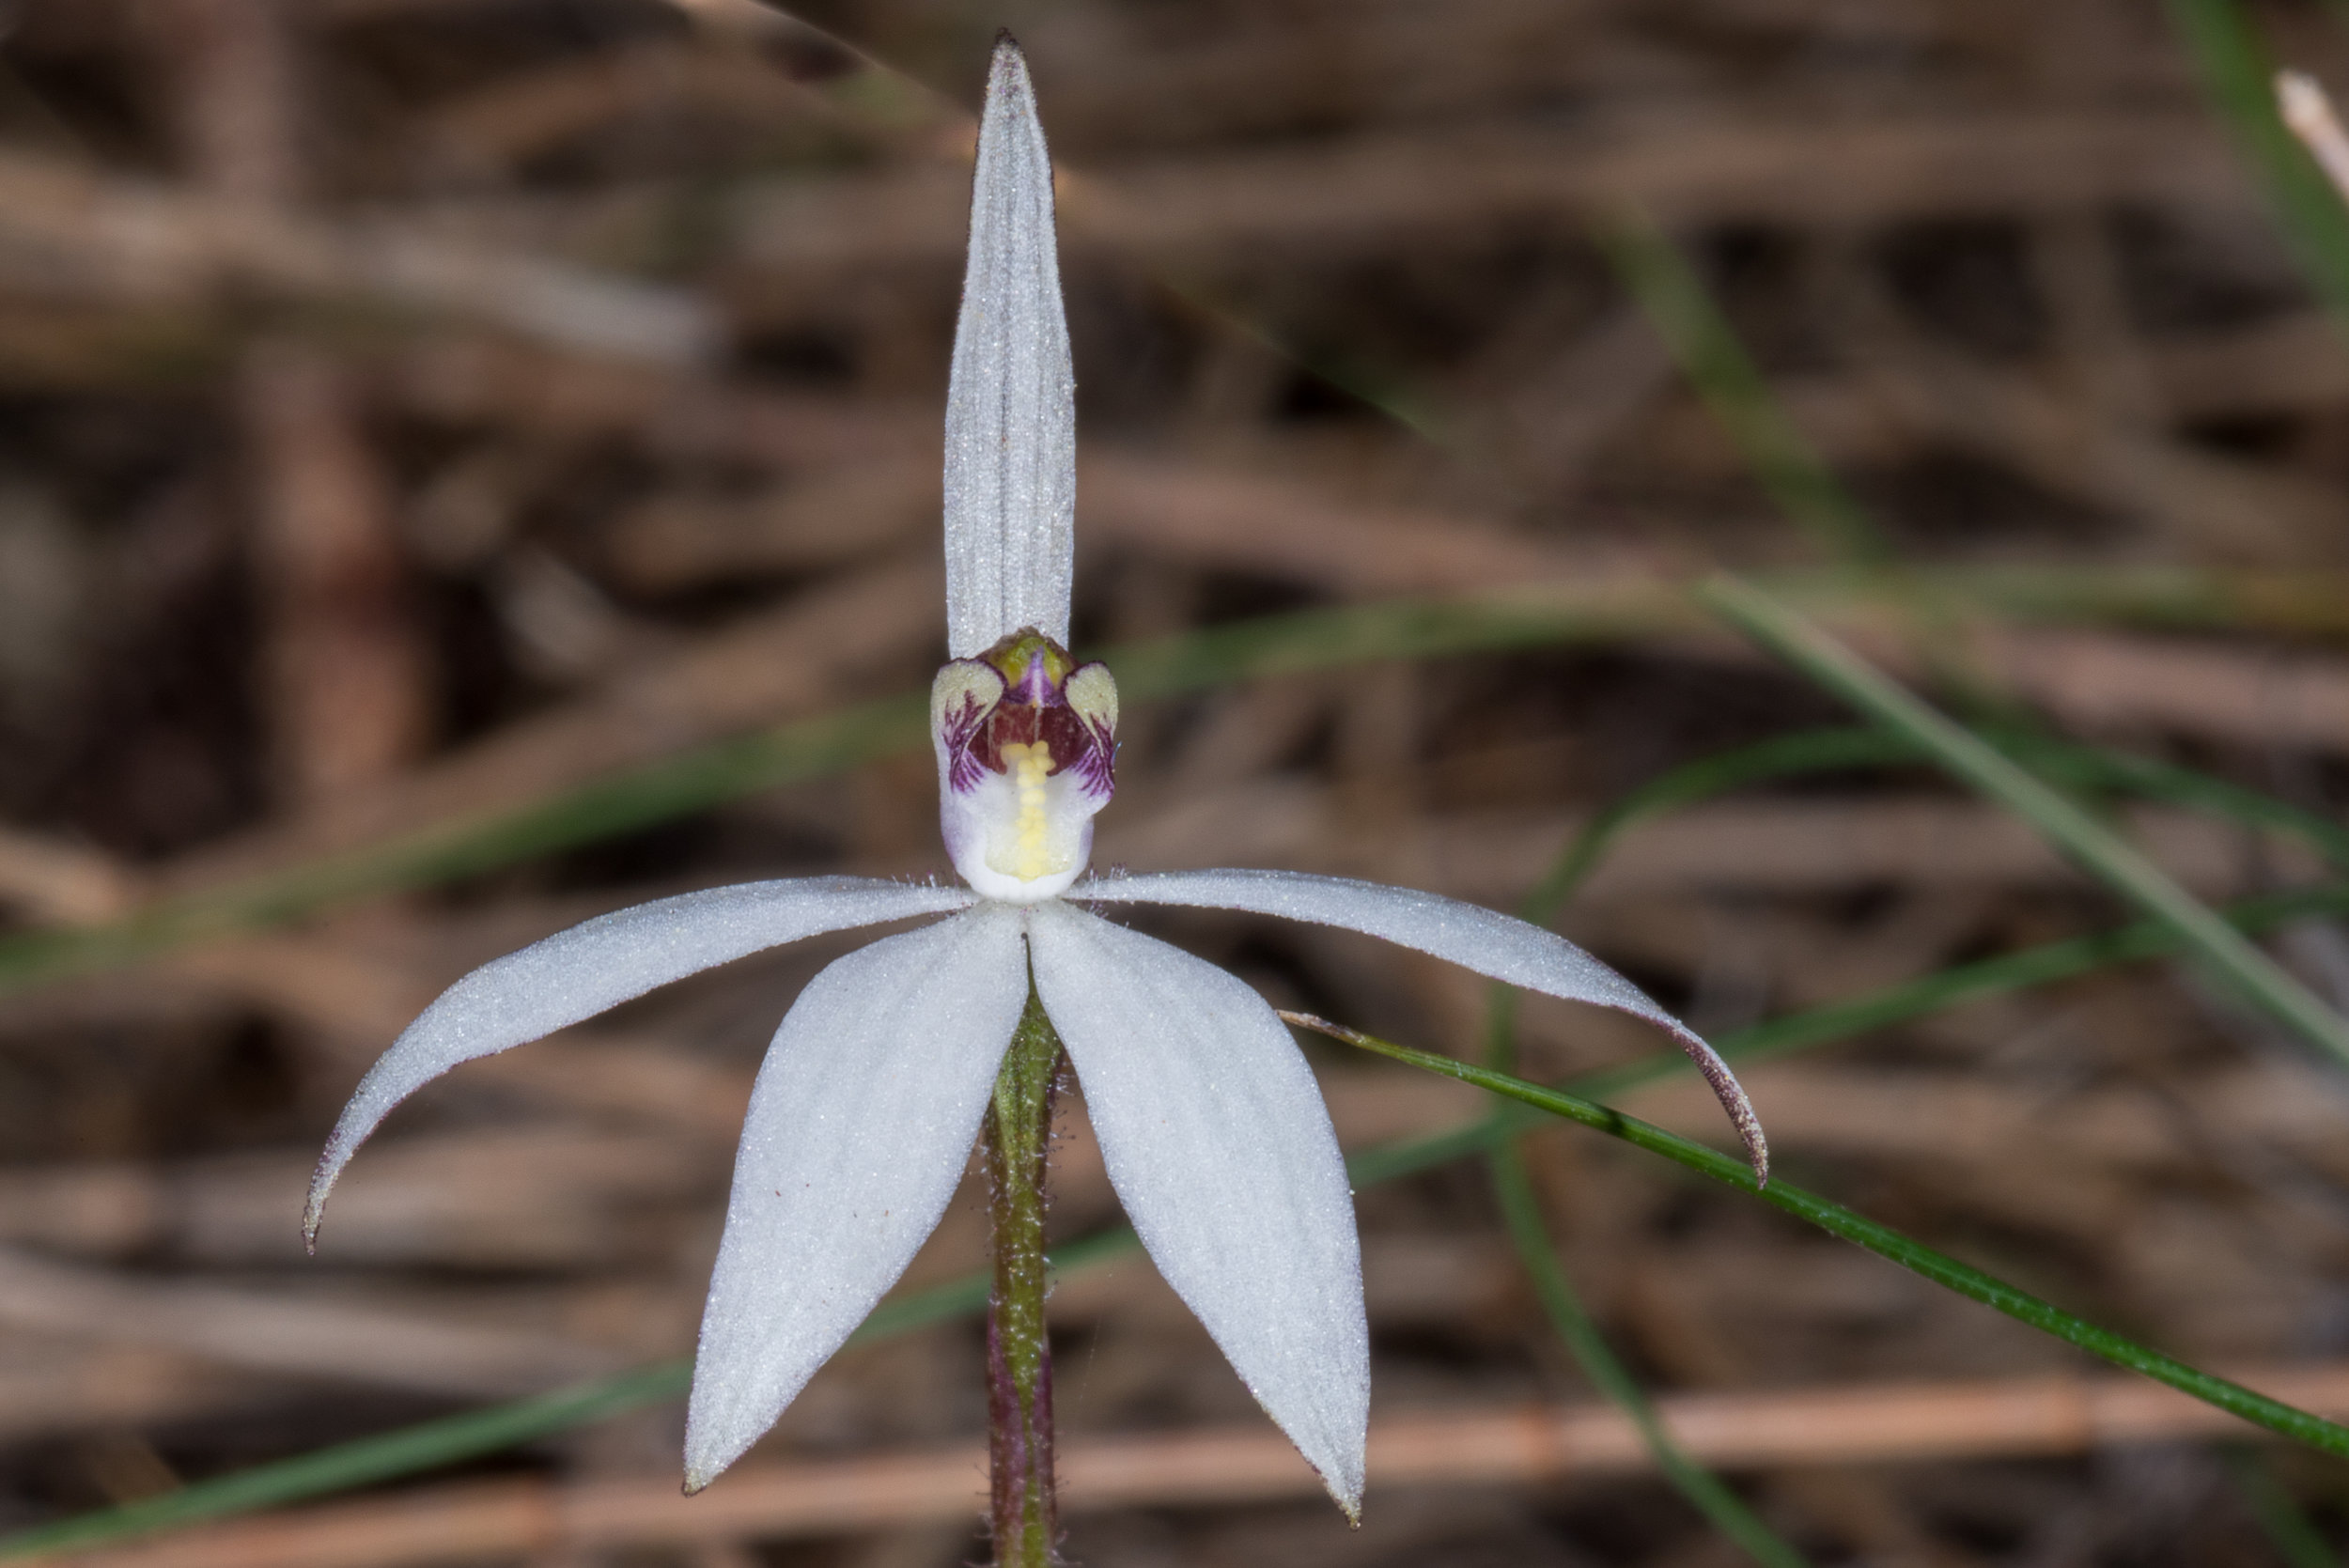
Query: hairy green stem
1019	1356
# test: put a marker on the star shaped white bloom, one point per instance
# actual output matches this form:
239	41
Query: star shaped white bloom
861	1125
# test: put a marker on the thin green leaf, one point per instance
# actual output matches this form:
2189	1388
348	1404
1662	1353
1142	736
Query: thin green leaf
1706	349
1817	751
344	1466
1970	758
472	1434
2286	1420
2279	1516
2097	768
1854	747
1976	981
1809	751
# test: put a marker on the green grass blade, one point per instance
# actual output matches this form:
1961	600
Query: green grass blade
1817	751
2239	77
344	1466
1978	981
2279	1518
1702	342
1704	1490
1834	749
2301	1426
2102	852
1854	747
2101	769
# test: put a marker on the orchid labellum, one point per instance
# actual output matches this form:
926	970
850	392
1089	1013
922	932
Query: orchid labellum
887	1065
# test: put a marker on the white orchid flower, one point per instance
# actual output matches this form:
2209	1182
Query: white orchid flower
862	1119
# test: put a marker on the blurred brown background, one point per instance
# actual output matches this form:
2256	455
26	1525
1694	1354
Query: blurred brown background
410	409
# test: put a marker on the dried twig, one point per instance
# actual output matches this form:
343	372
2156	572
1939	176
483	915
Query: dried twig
2059	1415
268	1331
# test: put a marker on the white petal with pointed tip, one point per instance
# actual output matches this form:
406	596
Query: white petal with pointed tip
1011	411
577	973
1485	940
859	1129
1216	1138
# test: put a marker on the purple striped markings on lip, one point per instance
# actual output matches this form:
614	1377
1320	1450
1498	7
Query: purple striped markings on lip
1027	748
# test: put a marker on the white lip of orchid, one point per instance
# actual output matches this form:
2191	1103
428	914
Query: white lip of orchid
1026	741
1211	1128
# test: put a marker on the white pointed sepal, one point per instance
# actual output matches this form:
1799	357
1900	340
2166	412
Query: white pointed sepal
859	1129
1011	413
1484	940
1215	1137
577	973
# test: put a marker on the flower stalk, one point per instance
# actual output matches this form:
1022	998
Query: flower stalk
1019	1134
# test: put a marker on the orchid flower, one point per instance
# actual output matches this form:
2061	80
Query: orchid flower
862	1118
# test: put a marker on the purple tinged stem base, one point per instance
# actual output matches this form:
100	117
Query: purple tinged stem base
1019	1134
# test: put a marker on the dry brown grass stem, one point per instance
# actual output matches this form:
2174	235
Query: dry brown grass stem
1893	1423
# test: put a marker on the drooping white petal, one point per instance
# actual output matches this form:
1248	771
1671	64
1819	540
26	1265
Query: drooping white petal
1011	411
1215	1137
858	1132
1488	942
577	973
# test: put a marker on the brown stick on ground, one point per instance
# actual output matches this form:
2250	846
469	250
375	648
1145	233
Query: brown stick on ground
1518	1446
347	687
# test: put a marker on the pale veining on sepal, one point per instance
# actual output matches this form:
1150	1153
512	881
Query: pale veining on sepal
858	1131
1011	413
577	973
1477	939
1214	1134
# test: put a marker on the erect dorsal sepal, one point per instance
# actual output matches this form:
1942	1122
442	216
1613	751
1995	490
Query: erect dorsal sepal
1011	411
